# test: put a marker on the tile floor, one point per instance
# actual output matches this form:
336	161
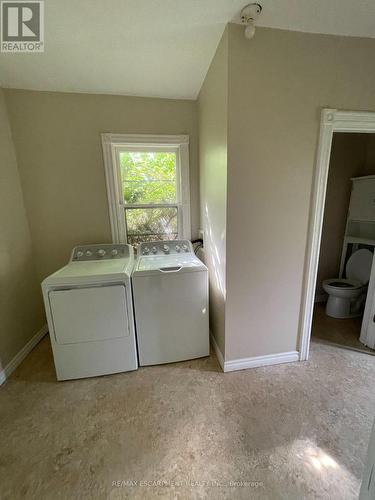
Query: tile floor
188	431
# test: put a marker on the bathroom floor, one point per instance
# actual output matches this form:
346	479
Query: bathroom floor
340	332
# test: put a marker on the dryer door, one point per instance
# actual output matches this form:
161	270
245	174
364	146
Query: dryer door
89	314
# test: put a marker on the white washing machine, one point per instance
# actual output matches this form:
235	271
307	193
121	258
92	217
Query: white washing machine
170	290
90	312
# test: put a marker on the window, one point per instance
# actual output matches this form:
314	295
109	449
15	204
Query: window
148	187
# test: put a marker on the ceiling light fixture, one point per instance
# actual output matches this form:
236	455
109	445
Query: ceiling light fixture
249	15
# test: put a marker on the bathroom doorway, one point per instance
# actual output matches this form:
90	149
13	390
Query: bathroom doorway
341	240
348	233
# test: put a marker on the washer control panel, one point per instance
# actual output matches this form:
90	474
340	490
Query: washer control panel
165	247
100	252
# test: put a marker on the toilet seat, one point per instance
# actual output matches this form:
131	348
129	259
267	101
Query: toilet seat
358	270
343	284
359	265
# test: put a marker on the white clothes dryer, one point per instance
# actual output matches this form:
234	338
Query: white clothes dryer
90	312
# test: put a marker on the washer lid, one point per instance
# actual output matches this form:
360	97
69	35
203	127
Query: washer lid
176	263
359	265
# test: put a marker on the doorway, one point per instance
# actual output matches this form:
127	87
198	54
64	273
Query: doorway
334	127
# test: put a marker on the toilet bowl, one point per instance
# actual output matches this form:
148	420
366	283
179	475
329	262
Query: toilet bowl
346	297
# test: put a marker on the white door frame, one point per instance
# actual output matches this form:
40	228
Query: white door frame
332	120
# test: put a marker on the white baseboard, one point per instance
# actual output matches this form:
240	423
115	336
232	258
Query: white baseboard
257	361
254	362
21	355
218	353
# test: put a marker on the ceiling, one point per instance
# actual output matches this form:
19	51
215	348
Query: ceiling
157	48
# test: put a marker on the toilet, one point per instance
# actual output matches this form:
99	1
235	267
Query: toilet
346	297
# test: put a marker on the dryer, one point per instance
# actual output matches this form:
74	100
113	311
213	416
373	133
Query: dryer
170	291
90	312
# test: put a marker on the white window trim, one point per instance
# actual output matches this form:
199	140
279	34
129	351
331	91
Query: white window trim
111	144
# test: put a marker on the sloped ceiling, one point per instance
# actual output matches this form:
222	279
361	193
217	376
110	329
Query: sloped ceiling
157	48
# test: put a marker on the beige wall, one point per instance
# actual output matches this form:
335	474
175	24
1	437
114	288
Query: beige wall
350	157
212	106
57	139
21	309
259	122
278	84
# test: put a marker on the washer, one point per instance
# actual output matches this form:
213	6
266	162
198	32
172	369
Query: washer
90	314
170	290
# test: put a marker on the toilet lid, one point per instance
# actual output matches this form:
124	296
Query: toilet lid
359	265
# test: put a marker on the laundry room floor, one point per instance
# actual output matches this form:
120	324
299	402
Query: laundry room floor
188	431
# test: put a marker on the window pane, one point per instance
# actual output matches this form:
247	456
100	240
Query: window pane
149	192
148	224
148	178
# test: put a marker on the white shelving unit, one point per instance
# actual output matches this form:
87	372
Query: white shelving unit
360	224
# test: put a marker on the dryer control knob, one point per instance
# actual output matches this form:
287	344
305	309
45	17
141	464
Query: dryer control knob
101	252
146	251
79	254
114	252
185	247
154	250
166	248
178	248
88	253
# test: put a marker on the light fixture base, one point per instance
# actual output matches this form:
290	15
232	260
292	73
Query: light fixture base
250	13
